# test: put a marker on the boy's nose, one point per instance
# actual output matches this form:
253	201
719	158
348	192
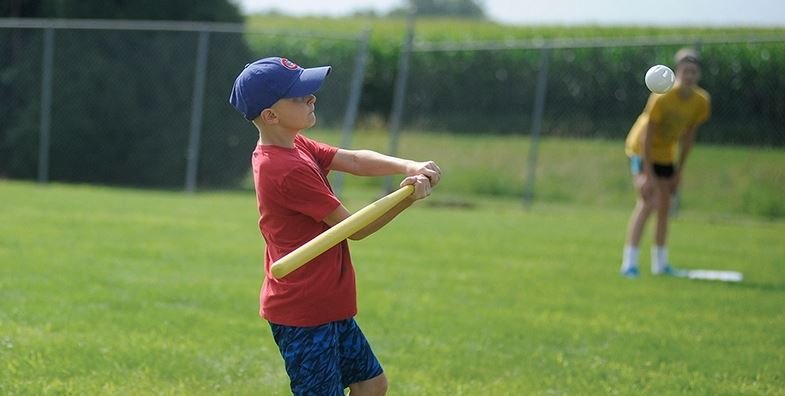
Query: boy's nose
311	99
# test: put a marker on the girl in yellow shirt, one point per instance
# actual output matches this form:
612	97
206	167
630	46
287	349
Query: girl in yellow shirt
667	119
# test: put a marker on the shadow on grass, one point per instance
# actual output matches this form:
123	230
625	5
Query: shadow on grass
767	287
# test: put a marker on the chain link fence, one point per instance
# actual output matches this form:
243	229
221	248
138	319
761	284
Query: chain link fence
594	87
589	89
146	103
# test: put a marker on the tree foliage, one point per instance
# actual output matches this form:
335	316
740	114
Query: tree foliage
170	10
472	9
101	80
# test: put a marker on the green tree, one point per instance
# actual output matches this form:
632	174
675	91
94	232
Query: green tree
473	9
172	10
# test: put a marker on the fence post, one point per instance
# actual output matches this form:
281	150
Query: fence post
400	93
47	62
197	107
352	105
537	114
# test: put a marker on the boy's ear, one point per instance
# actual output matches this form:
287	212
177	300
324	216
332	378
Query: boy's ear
268	116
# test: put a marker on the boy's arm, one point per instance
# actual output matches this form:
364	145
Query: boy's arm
422	189
371	163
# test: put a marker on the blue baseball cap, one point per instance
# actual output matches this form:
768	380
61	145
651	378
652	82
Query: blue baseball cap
264	82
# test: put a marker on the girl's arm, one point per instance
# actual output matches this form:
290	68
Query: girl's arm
685	144
648	165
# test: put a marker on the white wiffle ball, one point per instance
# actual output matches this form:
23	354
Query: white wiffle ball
659	79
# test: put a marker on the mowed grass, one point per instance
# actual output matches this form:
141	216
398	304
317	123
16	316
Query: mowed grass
131	292
728	180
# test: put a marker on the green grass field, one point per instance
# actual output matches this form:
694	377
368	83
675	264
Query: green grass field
720	180
133	292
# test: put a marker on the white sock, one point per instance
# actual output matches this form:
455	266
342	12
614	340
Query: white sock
659	258
630	258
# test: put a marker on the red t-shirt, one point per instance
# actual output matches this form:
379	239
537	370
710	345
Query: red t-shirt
294	196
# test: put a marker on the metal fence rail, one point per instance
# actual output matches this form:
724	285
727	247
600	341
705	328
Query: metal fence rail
603	42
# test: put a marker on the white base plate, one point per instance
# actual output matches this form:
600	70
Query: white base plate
724	276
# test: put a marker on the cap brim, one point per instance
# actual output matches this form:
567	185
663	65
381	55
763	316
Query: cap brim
309	82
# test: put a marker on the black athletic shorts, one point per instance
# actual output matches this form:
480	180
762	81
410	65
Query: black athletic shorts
662	171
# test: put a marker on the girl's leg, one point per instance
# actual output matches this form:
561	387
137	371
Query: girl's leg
644	205
659	263
640	214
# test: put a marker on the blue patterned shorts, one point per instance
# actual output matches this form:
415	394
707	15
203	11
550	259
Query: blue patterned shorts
325	359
